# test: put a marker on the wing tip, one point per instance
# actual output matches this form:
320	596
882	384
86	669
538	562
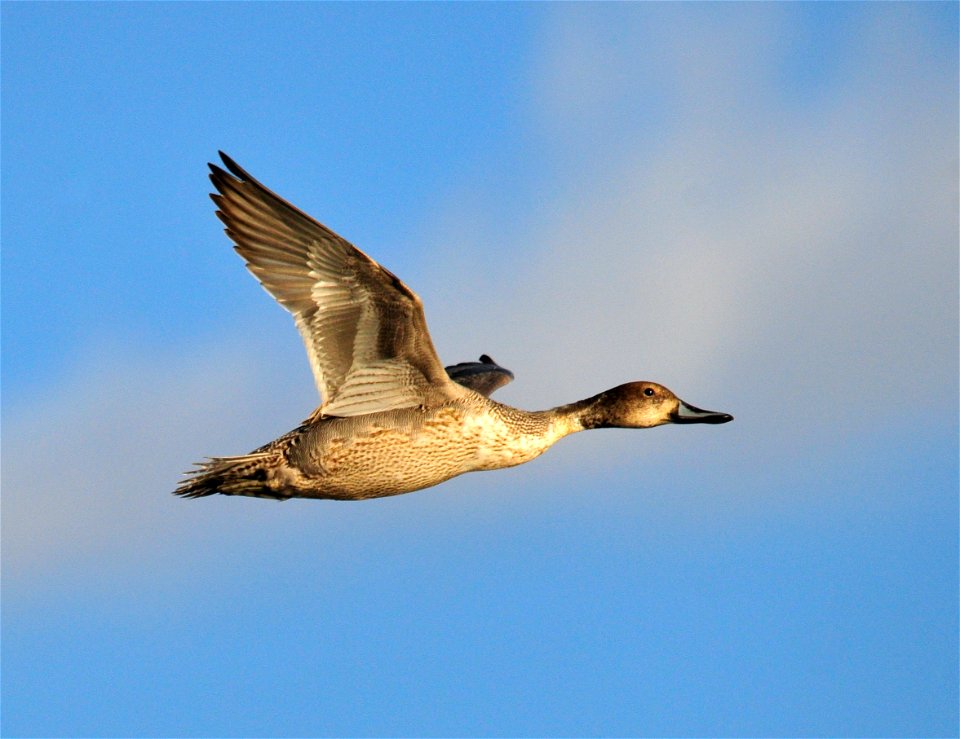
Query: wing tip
234	168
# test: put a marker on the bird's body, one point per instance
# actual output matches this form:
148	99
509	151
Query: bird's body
393	418
395	451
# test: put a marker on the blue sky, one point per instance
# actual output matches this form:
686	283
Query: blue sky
755	205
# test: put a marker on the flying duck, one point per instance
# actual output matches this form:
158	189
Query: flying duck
393	419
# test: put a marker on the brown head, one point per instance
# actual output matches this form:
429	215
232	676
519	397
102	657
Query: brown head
642	405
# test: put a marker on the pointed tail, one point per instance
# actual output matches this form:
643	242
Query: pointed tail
245	475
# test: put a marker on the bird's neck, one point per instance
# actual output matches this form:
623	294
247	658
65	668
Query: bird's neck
581	415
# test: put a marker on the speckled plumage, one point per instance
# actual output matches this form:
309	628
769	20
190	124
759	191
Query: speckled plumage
393	419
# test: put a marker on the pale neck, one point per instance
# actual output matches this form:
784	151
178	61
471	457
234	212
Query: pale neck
578	416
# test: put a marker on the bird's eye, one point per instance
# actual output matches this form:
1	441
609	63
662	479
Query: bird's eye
648	392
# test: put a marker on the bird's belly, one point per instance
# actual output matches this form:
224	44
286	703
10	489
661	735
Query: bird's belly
387	460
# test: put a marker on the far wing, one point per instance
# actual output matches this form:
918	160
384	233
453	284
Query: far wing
485	376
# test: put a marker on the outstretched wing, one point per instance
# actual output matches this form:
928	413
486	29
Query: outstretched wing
485	376
364	330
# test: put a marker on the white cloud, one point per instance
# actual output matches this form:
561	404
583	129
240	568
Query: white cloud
760	250
88	470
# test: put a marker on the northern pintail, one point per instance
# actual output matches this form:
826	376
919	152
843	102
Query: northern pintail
393	419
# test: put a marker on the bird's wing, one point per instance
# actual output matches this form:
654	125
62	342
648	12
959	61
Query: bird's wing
364	330
485	376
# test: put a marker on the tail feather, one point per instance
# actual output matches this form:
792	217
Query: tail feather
243	475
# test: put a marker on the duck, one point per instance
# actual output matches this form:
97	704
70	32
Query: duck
392	418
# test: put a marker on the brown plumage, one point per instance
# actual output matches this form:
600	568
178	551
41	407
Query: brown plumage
393	419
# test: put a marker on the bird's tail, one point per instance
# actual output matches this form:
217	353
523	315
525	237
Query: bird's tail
249	474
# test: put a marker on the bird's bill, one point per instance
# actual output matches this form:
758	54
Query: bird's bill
686	413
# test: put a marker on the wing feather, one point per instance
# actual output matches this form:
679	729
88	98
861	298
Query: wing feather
364	330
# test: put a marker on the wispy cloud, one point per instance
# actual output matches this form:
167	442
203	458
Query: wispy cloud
87	469
751	246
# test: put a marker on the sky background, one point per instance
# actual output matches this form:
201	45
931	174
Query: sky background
755	205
